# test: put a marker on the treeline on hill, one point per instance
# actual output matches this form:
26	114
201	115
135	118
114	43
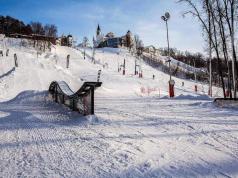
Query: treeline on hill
198	60
10	25
193	59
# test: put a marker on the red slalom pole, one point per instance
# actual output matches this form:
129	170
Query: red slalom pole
171	88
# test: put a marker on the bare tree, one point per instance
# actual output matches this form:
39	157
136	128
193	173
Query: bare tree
137	41
129	40
212	17
85	41
220	19
50	30
37	28
230	13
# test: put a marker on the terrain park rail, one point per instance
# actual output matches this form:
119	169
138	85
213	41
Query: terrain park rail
81	101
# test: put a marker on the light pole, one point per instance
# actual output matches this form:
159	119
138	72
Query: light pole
165	18
195	75
84	53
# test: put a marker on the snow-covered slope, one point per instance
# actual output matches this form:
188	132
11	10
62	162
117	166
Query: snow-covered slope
131	84
175	63
52	66
137	130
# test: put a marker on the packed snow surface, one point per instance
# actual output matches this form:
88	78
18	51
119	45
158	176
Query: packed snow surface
137	131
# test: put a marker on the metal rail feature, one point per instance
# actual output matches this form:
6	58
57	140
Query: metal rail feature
81	101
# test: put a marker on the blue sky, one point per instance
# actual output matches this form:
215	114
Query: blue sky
142	17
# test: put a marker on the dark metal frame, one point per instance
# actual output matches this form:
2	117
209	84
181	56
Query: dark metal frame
226	102
81	101
226	99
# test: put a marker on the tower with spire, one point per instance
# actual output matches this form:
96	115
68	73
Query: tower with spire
98	32
99	36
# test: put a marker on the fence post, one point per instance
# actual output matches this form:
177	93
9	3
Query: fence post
135	67
67	61
15	59
93	57
37	54
124	67
195	88
7	52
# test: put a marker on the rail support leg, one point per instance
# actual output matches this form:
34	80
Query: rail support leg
92	100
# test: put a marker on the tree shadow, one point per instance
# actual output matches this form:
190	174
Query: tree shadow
7	73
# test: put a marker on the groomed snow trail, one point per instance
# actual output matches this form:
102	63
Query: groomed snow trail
170	138
133	134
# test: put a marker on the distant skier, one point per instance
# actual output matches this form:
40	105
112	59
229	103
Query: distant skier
153	76
182	84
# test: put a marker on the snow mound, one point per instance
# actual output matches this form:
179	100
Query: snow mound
193	97
41	99
189	97
29	96
92	119
41	106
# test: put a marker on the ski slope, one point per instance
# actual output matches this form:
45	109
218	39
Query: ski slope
137	131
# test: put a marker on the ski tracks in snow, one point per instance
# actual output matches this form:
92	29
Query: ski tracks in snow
179	137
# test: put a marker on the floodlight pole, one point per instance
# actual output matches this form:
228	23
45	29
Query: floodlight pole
171	82
167	28
84	53
166	18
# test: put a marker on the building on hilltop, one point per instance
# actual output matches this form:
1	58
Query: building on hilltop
110	35
111	43
65	41
99	37
110	40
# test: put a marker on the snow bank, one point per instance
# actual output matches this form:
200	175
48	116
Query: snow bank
30	96
193	97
